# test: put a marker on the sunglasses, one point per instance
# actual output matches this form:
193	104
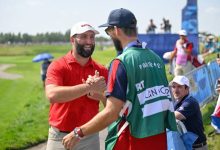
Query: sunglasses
107	30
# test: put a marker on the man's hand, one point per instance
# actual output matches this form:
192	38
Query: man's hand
70	140
97	83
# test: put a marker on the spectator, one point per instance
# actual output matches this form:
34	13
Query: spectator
151	27
134	77
218	60
74	102
215	117
217	44
182	54
188	111
210	44
166	26
43	71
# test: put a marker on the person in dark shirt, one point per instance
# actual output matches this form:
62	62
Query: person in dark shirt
188	111
151	27
166	26
44	67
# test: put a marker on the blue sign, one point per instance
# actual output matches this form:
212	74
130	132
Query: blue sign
189	17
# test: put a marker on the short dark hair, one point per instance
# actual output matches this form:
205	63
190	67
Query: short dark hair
186	86
130	31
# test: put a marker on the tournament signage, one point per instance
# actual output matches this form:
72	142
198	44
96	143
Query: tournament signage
189	17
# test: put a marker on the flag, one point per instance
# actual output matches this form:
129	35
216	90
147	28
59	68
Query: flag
215	117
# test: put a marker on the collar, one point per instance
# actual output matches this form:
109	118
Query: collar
131	44
185	97
186	40
135	43
71	59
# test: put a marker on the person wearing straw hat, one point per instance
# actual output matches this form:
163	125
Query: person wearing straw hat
73	101
188	111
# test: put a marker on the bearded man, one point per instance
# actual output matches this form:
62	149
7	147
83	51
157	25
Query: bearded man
73	102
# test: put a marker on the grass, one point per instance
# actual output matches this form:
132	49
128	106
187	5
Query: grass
213	139
24	108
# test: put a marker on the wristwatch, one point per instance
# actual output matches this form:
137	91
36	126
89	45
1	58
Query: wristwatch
78	133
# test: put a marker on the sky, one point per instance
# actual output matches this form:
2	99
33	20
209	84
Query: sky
41	16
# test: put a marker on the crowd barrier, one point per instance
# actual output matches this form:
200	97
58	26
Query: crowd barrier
203	82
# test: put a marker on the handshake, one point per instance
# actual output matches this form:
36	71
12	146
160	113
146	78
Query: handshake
97	85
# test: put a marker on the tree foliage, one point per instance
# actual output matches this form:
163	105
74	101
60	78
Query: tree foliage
53	37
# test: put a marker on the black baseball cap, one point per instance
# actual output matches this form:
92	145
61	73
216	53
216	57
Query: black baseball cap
121	18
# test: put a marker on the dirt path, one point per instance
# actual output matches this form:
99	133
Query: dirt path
102	135
5	75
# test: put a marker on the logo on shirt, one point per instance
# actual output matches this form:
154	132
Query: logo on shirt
153	92
181	108
149	65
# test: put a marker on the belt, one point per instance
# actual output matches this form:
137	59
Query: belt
57	130
199	145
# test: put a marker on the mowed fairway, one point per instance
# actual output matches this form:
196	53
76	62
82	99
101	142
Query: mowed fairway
23	106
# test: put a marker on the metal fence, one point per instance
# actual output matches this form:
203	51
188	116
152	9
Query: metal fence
203	82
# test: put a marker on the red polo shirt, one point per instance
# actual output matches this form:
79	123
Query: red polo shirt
67	72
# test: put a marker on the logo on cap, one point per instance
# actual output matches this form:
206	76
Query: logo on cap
83	25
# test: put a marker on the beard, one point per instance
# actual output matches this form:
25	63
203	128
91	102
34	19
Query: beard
118	45
85	53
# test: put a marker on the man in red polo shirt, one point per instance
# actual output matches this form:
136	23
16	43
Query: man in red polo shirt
73	102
